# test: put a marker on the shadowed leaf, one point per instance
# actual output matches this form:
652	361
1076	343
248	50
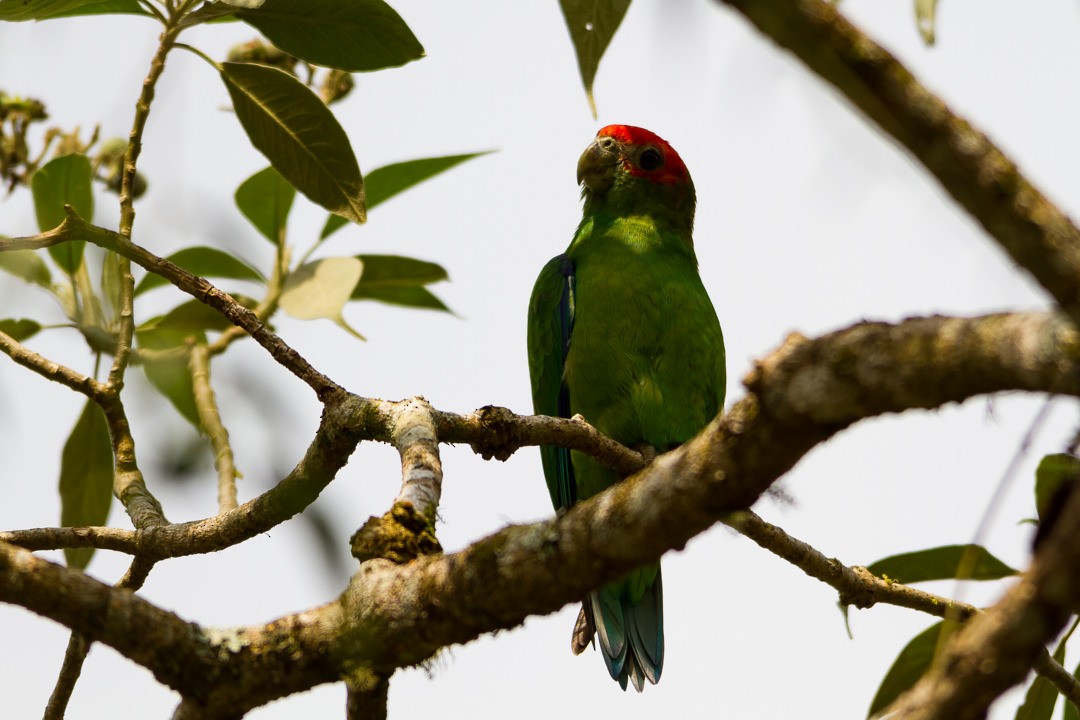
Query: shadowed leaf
27	265
908	667
171	376
86	478
204	261
592	24
288	123
962	562
19	10
20	329
358	36
105	7
399	281
65	180
265	198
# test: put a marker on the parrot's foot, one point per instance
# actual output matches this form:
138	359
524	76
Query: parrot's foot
648	453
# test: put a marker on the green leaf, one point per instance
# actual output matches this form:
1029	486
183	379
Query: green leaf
193	317
383	183
21	329
246	4
204	261
399	281
265	198
925	13
65	180
592	24
27	265
105	7
414	297
908	667
19	10
962	562
298	134
86	478
1054	472
171	377
358	36
112	282
320	289
1041	696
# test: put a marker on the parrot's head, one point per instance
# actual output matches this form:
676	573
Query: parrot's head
632	170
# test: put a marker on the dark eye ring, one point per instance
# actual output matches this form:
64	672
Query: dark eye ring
650	159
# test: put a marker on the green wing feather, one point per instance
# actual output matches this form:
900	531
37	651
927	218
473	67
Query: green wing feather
551	320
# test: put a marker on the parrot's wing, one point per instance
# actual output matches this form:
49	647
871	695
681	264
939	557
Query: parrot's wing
551	323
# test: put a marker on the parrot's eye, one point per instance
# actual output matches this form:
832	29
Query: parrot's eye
650	159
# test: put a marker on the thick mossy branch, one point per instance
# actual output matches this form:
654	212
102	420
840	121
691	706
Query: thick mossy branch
396	615
1038	236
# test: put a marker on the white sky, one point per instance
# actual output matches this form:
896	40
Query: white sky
808	220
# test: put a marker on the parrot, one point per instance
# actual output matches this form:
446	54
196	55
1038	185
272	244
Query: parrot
622	332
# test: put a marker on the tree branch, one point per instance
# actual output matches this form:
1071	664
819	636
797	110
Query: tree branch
394	615
75	228
986	183
859	587
210	418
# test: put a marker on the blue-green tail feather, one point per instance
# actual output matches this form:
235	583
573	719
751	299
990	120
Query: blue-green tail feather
631	633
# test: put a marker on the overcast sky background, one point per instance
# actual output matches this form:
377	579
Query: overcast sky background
809	220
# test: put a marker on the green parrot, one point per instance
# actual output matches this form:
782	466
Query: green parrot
622	332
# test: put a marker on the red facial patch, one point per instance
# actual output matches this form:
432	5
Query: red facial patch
672	171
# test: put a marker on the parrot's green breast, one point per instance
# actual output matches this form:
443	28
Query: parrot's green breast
646	364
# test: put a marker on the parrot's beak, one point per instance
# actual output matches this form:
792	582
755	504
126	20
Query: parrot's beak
596	168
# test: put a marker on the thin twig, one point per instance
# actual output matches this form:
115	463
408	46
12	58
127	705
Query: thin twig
210	419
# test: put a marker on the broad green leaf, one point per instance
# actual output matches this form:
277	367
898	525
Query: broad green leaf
925	13
20	329
592	24
204	261
908	667
245	4
320	289
65	180
962	562
27	265
1041	696
192	317
397	271
414	297
170	377
1054	472
358	36
105	7
399	281
86	478
19	10
298	134
265	198
383	183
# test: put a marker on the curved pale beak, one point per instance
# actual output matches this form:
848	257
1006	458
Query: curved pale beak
596	167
